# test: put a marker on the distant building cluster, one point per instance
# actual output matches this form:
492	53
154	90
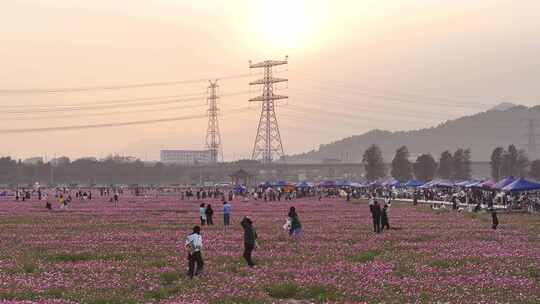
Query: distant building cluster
185	157
33	161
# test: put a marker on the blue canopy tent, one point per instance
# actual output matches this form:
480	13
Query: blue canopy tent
265	185
356	185
429	184
488	184
343	183
328	184
473	184
520	185
392	183
504	182
280	184
462	183
304	184
239	188
414	183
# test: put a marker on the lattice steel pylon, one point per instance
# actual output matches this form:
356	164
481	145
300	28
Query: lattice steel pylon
268	139
213	137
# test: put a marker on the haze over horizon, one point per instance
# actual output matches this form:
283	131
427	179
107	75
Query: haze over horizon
353	66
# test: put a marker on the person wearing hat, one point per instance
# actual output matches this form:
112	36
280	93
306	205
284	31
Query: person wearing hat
250	239
194	246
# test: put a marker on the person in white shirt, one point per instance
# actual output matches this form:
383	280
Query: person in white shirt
194	245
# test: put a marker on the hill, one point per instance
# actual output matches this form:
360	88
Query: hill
482	132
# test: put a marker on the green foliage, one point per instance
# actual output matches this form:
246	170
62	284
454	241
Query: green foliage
443	264
374	163
82	257
235	300
425	167
364	256
287	290
461	164
401	166
321	294
445	165
168	278
109	299
30	267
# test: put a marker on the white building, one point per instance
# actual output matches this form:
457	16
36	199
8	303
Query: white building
33	161
185	157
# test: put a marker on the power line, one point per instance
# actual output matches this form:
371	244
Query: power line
23	118
113	87
113	106
108	125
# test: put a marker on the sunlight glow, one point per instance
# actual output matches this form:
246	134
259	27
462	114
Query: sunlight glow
287	23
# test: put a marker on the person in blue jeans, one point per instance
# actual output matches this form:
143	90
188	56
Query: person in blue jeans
226	214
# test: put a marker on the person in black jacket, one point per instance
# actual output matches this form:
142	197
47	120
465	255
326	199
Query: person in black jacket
250	237
375	210
494	219
384	217
209	214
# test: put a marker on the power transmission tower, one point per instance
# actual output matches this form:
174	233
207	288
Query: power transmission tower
213	138
268	139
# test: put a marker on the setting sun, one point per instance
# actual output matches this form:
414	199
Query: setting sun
289	24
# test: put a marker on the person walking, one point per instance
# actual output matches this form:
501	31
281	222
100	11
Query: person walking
494	219
115	199
226	214
250	240
296	227
202	214
193	246
375	210
209	215
384	216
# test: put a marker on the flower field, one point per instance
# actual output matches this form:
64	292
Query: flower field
95	253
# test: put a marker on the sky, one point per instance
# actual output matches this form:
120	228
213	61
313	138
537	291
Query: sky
353	66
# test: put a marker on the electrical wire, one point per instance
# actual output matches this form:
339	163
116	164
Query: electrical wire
116	87
113	106
114	124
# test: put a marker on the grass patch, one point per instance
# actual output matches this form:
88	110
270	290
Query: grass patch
110	299
235	300
168	278
403	270
321	294
30	267
82	257
443	264
316	293
364	256
533	273
287	290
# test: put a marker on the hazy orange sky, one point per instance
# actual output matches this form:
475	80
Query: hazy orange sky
353	66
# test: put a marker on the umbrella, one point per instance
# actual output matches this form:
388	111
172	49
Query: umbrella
521	184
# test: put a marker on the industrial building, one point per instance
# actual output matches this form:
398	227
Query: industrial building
185	157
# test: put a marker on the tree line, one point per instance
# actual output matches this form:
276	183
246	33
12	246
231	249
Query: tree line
452	166
456	165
